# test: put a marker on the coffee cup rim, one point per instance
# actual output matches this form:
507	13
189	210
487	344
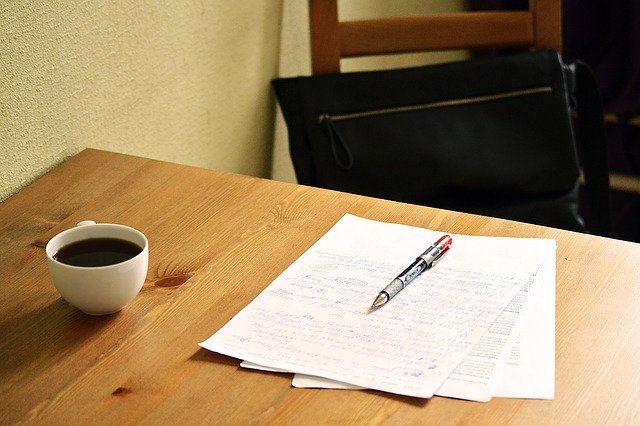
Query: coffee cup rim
84	224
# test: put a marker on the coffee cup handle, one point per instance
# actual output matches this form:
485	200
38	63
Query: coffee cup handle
86	222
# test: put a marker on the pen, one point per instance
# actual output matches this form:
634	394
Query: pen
423	262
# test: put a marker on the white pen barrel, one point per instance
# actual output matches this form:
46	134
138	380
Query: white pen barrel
424	261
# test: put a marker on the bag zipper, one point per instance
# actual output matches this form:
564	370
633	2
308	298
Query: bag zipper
437	104
341	152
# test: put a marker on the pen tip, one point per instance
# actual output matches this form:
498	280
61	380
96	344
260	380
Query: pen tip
381	299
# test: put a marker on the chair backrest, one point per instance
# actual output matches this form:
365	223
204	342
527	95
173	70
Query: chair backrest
539	28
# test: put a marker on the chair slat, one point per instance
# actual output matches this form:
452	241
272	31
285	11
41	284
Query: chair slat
434	32
539	28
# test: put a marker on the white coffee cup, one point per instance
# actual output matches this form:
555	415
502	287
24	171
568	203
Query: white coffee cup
99	290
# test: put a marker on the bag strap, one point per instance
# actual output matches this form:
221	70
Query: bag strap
594	153
592	147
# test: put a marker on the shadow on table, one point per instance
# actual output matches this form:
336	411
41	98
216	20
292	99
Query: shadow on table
45	335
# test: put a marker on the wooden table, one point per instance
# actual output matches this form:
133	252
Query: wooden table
217	239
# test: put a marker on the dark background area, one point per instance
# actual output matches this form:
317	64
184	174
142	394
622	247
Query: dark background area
606	35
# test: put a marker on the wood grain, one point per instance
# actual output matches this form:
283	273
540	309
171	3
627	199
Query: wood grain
216	240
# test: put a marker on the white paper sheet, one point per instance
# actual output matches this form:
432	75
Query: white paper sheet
529	371
479	374
315	318
515	359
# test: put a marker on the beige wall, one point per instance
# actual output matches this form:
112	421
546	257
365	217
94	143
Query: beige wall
183	81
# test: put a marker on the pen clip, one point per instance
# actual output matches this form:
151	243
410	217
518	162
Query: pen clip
435	259
442	245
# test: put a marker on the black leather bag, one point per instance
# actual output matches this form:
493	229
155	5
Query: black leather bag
490	136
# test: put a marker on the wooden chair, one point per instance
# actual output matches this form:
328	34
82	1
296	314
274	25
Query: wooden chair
539	28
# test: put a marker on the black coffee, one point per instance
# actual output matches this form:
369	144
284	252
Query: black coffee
97	252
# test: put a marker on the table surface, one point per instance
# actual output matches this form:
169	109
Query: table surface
216	240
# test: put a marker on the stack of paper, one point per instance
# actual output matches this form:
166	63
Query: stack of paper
481	323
